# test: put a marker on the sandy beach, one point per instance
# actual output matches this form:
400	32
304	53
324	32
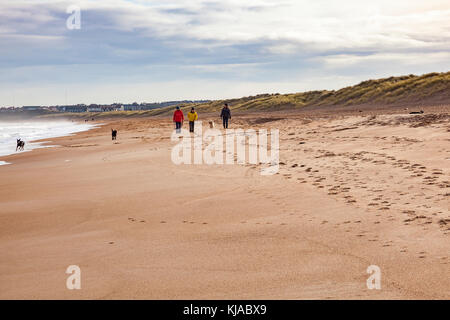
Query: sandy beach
354	189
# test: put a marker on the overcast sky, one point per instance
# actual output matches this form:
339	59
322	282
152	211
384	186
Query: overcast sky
146	51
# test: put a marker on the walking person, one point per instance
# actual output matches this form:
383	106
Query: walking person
178	118
225	115
192	117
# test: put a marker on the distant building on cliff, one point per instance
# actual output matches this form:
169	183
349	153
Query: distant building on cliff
31	108
132	107
94	108
76	108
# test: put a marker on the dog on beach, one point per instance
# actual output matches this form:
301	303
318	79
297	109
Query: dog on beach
20	145
211	124
114	134
416	112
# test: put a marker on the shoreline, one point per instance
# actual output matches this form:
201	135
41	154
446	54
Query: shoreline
43	143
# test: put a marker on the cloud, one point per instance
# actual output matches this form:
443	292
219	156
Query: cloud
346	60
232	41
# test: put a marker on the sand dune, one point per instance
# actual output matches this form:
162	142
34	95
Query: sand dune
353	190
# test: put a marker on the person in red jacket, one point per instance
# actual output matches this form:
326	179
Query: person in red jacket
178	118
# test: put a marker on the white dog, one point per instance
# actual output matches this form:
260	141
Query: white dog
211	124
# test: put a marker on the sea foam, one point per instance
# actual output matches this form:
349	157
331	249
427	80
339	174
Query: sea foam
31	131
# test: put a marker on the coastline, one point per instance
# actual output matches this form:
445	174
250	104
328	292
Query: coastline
141	227
47	137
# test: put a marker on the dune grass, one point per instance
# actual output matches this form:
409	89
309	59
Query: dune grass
392	90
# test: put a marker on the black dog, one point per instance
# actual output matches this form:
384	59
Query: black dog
114	134
416	112
20	145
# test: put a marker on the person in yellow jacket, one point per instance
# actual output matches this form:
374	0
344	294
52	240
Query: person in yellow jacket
192	117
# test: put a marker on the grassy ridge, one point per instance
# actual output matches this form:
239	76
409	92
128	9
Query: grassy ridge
430	88
394	90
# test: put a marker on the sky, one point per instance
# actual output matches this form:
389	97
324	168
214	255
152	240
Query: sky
150	51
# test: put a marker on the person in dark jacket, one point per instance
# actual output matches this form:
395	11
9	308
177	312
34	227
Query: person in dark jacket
225	115
178	118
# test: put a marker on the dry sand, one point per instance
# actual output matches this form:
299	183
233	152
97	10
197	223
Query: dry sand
352	191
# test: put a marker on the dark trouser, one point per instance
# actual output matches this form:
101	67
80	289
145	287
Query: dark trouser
225	123
191	126
178	126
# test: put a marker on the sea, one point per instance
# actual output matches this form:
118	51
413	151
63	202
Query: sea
34	130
